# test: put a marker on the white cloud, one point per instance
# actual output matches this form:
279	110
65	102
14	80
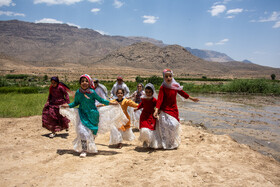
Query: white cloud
72	24
57	2
217	9
222	42
230	17
235	11
102	32
8	13
95	10
118	4
222	2
6	3
150	19
209	44
274	17
50	20
276	25
96	1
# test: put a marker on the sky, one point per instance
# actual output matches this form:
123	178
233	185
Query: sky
242	29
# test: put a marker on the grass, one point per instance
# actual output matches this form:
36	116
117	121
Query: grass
21	101
21	105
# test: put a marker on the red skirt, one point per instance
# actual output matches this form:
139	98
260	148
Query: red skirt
52	120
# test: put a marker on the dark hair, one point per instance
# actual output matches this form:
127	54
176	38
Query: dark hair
81	79
55	79
120	89
149	88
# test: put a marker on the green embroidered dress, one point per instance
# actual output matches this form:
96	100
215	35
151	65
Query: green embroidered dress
88	112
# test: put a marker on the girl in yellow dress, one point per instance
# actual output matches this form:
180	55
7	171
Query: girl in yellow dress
125	132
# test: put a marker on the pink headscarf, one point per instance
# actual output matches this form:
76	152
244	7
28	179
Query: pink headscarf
90	81
173	85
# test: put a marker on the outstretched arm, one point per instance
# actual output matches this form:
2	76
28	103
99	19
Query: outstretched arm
194	99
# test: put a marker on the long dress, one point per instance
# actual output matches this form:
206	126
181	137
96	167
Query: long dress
125	131
169	123
90	121
135	116
51	118
148	131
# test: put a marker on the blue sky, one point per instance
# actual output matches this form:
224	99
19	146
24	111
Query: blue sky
243	29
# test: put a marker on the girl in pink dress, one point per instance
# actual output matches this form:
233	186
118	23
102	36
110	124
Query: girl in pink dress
169	123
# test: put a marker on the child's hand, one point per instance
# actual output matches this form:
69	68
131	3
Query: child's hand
156	113
99	105
65	105
194	99
113	103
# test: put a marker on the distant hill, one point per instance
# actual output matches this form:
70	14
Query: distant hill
25	44
209	55
247	61
43	43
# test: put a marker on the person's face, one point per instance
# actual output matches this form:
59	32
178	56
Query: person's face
119	94
84	83
139	87
119	81
95	84
148	92
54	84
168	77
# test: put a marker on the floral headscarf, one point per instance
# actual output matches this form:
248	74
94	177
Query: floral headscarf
173	85
91	85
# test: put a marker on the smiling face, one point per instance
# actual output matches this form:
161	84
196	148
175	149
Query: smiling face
148	92
168	77
84	83
119	94
54	84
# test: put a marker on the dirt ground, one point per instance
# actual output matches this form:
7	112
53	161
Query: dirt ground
30	158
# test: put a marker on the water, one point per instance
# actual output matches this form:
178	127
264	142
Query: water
251	120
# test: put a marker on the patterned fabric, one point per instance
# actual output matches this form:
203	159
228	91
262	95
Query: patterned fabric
88	112
147	119
90	81
167	101
51	119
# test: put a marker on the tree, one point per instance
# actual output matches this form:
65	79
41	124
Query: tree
273	76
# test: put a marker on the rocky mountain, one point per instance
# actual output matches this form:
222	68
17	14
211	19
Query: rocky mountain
210	55
27	44
43	44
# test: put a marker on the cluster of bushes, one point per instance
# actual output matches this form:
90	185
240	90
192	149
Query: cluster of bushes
30	84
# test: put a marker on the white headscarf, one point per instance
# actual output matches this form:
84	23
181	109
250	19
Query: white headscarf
173	85
150	85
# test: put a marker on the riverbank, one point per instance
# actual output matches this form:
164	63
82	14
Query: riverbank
251	120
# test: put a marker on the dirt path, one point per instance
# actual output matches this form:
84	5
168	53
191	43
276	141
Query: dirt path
30	158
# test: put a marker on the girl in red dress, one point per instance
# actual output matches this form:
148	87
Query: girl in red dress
169	123
51	118
147	120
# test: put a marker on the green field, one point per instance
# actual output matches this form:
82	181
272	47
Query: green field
21	95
